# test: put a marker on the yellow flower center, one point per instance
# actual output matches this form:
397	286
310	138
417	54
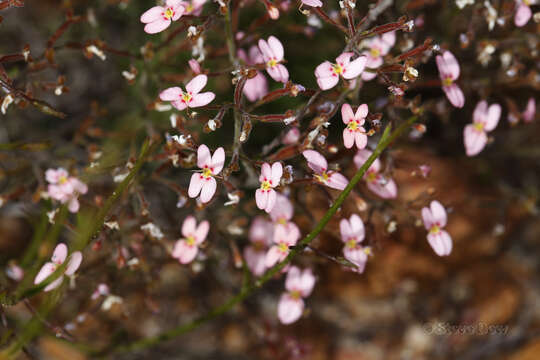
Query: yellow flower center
479	126
282	221
337	69
186	97
448	81
169	13
434	229
283	247
323	178
353	125
295	294
265	185
367	250
189	8
62	180
351	243
272	63
371	176
375	52
207	172
190	240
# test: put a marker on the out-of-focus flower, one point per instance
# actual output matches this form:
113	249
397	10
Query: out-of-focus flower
352	234
530	111
328	74
462	3
203	182
152	230
193	7
434	219
265	196
319	165
449	72
101	290
260	237
523	12
257	87
190	98
65	188
273	53
291	137
15	272
195	66
187	248
284	237
313	3
376	182
354	132
299	285
159	18
484	120
378	46
57	259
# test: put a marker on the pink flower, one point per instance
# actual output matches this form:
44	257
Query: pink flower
101	290
484	119
272	53
378	46
65	188
58	258
449	72
193	7
291	137
434	219
195	66
283	210
523	12
265	196
352	234
257	87
192	97
159	18
203	182
299	285
530	111
187	248
354	132
313	3
328	74
318	164
260	236
285	236
376	182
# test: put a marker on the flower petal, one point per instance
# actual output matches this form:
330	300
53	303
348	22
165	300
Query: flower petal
271	200
261	198
439	213
195	185
202	99
289	309
183	252
157	26
208	189
152	14
347	113
277	172
337	181
357	227
316	161
189	226
474	140
46	270
493	116
348	138
523	14
277	47
197	84
203	156
202	232
218	160
171	94
355	68
59	254
454	95
74	262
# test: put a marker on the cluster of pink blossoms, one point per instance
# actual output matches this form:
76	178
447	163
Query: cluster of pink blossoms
58	258
378	47
352	234
65	188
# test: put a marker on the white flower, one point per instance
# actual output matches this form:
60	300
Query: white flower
7	100
96	51
152	230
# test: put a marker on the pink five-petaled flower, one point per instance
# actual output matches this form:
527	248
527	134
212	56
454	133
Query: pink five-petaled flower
449	72
354	132
159	18
284	237
272	53
484	119
187	248
523	12
352	234
257	87
265	196
57	259
434	219
299	285
319	165
313	3
378	46
530	111
376	182
190	98
328	74
260	237
65	188
203	182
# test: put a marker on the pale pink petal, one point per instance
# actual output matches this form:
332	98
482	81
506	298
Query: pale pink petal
266	172
179	10
197	84
530	111
271	201
454	95
277	172
46	270
74	262
277	47
292	281
345	230
208	189
180	105
202	232
316	161
260	230
307	281
289	309
493	116
357	227
195	185
480	112
324	70
255	260
314	3
283	73
361	113
53	176
59	254
523	14
256	88
441	243
292	234
152	14
261	198
202	99
218	160
451	64
372	63
273	255
189	226
203	156
347	113
427	218
439	213
283	209
274	73
360	139
171	94
357	256
157	26
344	59
73	205
348	138
355	68
389	39
56	283
255	56
386	189
326	83
337	181
183	252
474	140
265	50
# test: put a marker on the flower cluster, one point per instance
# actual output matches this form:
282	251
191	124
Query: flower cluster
65	188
